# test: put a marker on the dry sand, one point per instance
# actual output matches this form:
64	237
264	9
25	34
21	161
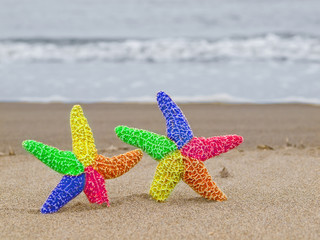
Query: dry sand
272	194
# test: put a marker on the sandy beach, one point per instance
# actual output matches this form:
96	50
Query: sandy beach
273	190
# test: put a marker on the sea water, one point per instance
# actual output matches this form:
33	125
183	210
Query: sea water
202	51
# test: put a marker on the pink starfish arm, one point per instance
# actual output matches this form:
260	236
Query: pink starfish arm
205	148
95	187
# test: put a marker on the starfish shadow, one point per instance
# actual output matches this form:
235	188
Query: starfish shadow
192	200
86	206
199	200
77	207
141	197
22	210
83	207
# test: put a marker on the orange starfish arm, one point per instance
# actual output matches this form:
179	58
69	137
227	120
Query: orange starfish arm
198	178
117	165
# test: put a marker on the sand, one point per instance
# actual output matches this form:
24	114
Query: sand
272	194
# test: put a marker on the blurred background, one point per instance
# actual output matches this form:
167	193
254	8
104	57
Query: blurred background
262	51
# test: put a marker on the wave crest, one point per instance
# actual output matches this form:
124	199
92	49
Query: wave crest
268	47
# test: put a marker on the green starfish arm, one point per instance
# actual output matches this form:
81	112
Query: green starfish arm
155	145
64	162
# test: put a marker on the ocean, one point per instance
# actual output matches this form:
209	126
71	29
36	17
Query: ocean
264	51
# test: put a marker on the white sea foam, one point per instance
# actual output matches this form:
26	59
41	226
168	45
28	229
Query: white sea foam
215	98
296	99
49	99
267	47
221	97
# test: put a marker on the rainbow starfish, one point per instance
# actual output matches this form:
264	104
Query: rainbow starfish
180	154
84	169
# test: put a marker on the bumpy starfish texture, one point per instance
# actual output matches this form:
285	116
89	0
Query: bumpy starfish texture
180	153
84	169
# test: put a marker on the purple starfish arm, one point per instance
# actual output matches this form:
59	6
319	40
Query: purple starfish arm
68	188
178	128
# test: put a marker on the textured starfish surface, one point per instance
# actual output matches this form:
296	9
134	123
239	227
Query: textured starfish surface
83	168
180	154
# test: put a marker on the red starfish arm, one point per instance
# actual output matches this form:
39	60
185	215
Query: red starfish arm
117	165
205	148
95	187
198	178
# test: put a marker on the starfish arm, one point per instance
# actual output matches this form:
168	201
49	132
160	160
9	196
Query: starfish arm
178	128
82	137
64	162
205	148
155	145
95	188
117	165
197	177
68	188
167	176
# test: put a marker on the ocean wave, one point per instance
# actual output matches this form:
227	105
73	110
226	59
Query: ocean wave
273	47
215	98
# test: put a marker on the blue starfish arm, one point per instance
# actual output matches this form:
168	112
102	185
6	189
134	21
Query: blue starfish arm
178	128
64	162
68	188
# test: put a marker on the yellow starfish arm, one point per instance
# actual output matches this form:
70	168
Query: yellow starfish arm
82	137
198	178
167	176
117	165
